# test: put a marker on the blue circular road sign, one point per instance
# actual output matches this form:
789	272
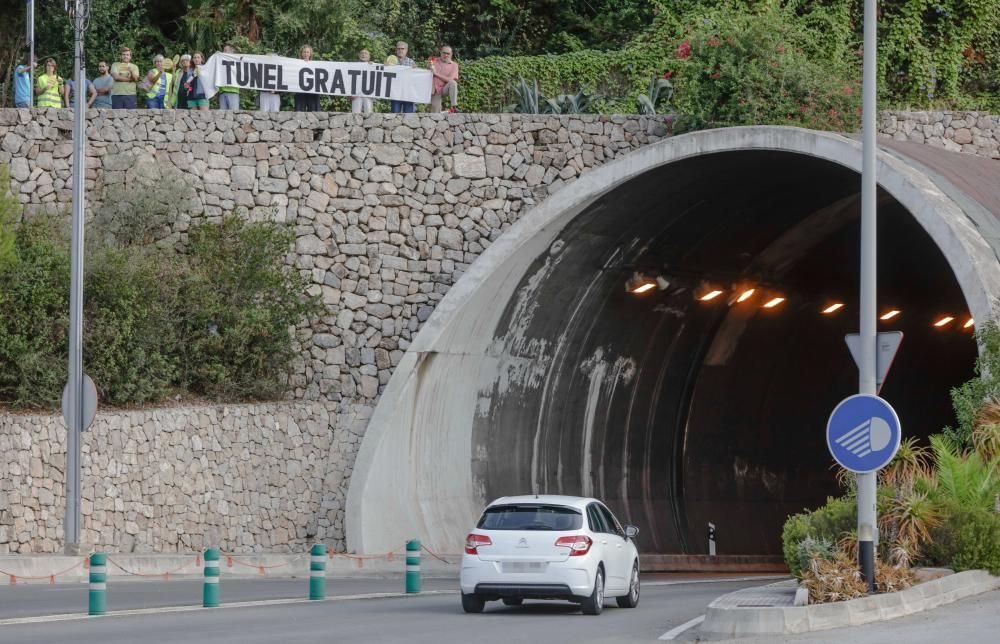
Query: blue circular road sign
863	433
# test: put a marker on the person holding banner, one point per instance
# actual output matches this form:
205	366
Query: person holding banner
191	90
362	104
269	101
306	102
22	82
229	96
400	58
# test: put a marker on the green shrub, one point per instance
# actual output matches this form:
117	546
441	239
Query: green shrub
968	539
239	301
214	321
736	68
969	398
10	212
810	548
132	299
831	522
33	328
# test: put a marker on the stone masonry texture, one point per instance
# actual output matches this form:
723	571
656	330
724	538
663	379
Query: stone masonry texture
389	211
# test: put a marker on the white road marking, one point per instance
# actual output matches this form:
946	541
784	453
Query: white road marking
720	580
674	632
181	609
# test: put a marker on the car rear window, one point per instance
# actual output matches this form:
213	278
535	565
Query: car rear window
530	517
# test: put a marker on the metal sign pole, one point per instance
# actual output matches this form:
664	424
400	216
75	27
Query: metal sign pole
31	54
75	428
867	536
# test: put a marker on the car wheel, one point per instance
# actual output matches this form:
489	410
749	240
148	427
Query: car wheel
631	600
513	601
472	603
594	604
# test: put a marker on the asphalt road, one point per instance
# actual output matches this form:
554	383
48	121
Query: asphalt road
423	618
435	617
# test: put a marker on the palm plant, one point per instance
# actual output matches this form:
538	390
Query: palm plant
964	478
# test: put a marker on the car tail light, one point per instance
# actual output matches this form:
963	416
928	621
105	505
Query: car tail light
578	544
474	541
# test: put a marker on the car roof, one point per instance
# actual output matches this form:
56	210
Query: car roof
577	502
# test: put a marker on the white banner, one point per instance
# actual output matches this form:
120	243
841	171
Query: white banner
278	74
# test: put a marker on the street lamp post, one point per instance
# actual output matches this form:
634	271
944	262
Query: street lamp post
867	527
79	13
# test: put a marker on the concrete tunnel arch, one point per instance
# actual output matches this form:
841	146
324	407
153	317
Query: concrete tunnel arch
514	348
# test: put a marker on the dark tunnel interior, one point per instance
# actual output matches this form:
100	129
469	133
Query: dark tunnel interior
678	412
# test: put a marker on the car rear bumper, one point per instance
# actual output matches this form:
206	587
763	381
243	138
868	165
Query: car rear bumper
560	579
528	591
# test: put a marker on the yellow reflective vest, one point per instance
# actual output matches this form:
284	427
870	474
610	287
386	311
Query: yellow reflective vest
163	82
52	96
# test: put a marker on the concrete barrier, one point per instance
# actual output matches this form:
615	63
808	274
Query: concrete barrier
726	621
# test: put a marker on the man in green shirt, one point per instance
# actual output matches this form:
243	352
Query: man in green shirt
229	97
126	75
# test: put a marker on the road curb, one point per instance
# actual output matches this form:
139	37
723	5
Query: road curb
731	622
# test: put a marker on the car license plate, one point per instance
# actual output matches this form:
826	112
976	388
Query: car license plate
524	566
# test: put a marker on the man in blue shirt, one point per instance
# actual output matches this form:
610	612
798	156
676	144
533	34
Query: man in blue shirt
22	84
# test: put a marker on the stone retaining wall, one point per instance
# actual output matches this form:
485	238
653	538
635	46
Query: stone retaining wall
249	478
969	132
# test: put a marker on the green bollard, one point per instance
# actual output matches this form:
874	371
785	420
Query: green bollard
210	594
98	583
317	572
413	566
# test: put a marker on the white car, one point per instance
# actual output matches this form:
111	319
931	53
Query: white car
549	547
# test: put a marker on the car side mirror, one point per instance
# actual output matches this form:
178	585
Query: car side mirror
631	531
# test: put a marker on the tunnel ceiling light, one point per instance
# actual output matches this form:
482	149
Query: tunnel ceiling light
943	322
889	315
710	295
969	324
639	284
773	302
833	308
746	295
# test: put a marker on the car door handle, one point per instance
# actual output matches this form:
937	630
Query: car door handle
604	542
619	546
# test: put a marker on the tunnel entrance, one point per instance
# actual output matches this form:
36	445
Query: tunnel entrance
679	412
539	373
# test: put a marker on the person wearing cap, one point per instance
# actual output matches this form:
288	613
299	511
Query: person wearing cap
229	97
157	84
400	58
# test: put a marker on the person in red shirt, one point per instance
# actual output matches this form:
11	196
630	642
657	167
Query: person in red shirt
445	80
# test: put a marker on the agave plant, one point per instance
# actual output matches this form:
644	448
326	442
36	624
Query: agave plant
659	89
910	518
529	99
986	434
912	462
578	103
